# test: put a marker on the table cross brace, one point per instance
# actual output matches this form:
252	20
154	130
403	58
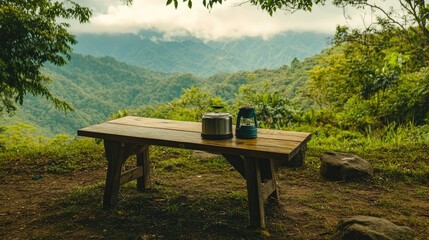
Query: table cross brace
117	153
261	182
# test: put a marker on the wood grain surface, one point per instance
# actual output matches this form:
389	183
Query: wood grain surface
182	134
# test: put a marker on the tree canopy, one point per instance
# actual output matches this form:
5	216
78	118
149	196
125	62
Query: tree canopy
31	34
378	75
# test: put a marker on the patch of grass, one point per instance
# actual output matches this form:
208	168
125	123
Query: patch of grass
400	156
422	192
175	160
387	203
58	155
193	198
160	213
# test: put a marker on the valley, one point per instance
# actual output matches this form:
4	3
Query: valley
100	86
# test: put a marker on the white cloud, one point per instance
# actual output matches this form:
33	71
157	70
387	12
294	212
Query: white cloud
223	21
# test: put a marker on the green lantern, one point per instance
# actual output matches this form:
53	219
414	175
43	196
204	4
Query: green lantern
246	126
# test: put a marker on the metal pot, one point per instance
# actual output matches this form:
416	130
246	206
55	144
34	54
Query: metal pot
216	126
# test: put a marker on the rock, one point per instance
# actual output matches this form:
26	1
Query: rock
37	177
343	166
204	155
371	228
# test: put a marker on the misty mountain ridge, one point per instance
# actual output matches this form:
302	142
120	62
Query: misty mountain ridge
125	71
98	87
186	53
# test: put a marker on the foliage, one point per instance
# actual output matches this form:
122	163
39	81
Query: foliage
274	109
15	137
191	106
119	114
326	79
287	79
383	68
2	142
97	88
373	77
269	6
30	36
412	12
26	152
409	16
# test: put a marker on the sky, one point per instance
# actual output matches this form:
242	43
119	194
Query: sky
223	21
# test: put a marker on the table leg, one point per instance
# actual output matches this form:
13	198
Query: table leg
269	178
114	154
143	160
254	192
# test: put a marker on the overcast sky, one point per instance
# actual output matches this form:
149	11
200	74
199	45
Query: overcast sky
223	21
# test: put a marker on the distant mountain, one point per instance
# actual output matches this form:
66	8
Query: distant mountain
158	51
97	88
279	50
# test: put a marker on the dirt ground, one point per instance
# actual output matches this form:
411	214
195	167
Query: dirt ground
32	207
26	198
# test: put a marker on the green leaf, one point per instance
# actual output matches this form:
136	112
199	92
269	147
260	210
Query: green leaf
189	4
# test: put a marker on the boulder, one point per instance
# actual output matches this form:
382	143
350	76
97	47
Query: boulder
371	228
343	166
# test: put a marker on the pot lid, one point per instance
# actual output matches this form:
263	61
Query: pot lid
216	115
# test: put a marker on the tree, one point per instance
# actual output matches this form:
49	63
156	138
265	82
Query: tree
32	35
271	6
192	104
411	15
374	78
274	108
268	5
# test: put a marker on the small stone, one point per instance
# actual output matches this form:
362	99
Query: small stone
37	177
371	228
343	166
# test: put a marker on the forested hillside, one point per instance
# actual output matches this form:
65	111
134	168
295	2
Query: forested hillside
288	79
156	50
364	101
98	87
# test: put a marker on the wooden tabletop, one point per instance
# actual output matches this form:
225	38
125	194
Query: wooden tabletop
182	134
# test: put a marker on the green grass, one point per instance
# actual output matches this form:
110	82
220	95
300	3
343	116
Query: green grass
193	198
58	155
395	153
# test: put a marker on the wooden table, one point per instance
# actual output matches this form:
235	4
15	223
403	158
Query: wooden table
257	160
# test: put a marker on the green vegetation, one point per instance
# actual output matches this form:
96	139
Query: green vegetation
99	87
269	6
32	35
96	88
22	152
208	193
367	95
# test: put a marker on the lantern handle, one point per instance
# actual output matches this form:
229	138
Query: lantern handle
237	123
254	117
